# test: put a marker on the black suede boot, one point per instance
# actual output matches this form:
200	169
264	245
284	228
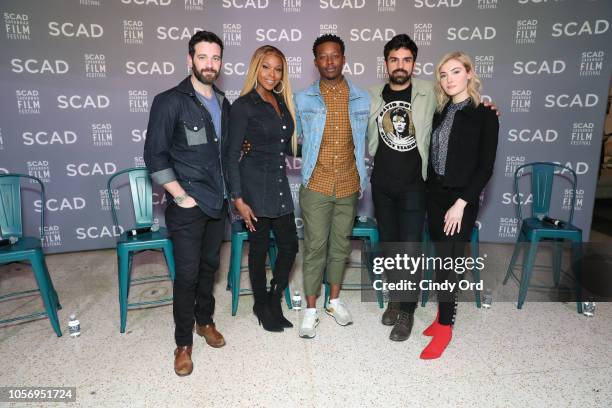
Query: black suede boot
274	300
264	314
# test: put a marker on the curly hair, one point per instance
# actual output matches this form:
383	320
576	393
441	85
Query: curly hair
327	38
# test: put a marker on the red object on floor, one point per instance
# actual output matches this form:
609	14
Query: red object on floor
437	345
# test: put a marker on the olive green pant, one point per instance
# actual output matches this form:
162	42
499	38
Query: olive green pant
328	222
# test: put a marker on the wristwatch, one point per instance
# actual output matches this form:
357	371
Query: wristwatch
179	199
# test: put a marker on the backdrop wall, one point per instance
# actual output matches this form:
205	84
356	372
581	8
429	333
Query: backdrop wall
77	78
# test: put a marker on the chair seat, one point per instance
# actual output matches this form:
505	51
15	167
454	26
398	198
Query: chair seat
533	227
148	239
19	250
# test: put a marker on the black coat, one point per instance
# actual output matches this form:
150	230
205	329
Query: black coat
472	146
259	176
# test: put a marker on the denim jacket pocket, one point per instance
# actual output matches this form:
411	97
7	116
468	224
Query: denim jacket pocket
195	134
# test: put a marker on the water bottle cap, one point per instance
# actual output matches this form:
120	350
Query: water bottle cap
72	316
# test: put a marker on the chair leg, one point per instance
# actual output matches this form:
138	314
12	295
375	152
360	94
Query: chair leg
234	272
576	266
53	291
427	273
46	291
526	274
288	297
169	256
517	250
124	283
327	289
557	252
474	242
369	247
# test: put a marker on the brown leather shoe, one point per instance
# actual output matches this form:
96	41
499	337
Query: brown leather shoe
210	333
403	326
390	316
182	361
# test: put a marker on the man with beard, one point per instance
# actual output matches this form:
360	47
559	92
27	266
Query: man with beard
186	130
400	167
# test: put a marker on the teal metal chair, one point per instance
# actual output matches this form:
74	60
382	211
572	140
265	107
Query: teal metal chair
533	230
239	236
367	233
428	246
127	246
26	248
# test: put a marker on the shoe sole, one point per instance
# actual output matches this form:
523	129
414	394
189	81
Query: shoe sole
183	375
398	339
313	336
343	325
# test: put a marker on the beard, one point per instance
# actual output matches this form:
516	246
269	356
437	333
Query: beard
399	79
202	78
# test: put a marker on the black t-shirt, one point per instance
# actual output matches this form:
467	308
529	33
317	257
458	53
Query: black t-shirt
397	163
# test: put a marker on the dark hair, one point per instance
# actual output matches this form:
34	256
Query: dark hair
401	41
327	38
398	112
205	36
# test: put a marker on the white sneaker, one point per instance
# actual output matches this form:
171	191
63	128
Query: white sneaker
310	320
339	312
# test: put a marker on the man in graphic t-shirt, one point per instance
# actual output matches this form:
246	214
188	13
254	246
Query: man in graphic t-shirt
398	139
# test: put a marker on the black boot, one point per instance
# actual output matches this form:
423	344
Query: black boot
274	300
265	317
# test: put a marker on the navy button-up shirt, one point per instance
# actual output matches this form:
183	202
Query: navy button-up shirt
259	176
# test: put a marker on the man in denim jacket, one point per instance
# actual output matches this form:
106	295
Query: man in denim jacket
331	119
187	128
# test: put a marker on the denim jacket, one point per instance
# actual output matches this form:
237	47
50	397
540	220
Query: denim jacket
310	112
182	145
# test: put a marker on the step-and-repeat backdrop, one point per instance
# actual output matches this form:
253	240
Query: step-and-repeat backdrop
77	79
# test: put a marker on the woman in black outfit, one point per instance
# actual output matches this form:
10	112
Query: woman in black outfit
462	155
258	184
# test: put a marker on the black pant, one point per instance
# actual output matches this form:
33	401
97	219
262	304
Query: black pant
439	200
286	240
400	218
197	240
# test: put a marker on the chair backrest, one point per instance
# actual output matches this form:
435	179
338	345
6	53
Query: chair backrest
542	177
11	223
142	196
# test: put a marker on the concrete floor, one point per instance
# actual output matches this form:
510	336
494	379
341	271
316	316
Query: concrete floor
545	355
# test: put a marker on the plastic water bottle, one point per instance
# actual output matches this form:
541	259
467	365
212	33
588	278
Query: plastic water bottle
155	226
487	299
296	301
74	326
588	308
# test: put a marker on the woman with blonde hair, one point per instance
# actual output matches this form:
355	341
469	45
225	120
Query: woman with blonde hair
264	116
461	158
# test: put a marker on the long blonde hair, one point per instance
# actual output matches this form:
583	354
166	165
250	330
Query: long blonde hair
473	86
286	93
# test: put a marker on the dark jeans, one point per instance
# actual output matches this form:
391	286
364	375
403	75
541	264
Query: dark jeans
197	240
439	200
400	218
286	240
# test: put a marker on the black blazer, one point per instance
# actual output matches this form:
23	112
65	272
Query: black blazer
472	146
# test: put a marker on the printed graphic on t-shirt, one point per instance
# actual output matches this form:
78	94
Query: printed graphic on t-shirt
395	126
